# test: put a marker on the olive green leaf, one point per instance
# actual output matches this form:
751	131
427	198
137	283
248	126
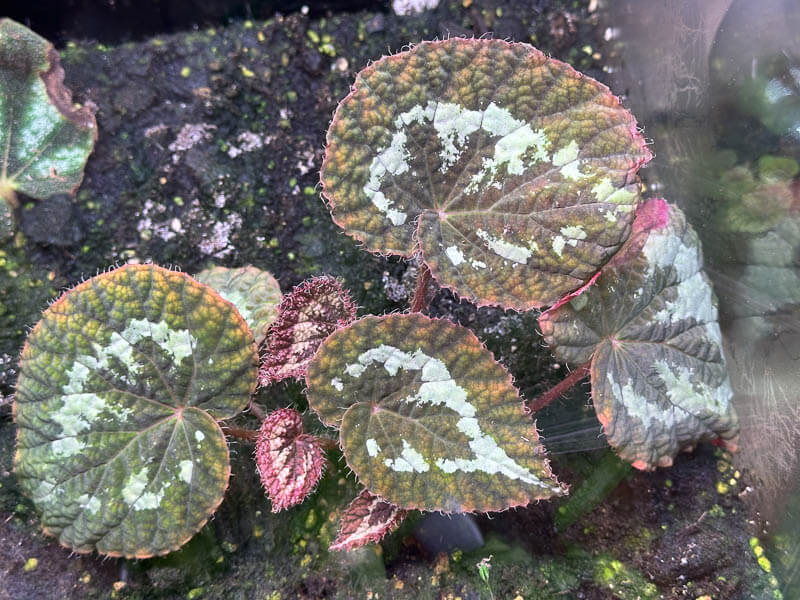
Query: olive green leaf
649	326
255	294
429	420
44	139
512	173
121	385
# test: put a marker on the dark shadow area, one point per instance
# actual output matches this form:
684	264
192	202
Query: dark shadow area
117	21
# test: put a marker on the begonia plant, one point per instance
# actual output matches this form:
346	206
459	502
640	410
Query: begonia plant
514	179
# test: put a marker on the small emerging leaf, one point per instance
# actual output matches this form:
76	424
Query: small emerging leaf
512	173
649	326
120	388
428	418
367	519
289	461
44	139
254	293
306	316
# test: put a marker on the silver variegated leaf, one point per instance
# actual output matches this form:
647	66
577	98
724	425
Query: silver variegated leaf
649	325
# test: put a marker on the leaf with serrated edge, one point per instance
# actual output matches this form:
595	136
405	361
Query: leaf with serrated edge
428	419
366	520
255	294
514	174
649	326
44	139
289	461
120	389
306	316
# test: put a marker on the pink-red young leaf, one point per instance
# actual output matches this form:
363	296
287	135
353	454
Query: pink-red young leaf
289	461
306	316
367	519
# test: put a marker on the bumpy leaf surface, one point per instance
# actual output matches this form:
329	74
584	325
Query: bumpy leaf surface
44	139
367	519
289	461
121	385
649	326
306	316
428	418
254	293
513	174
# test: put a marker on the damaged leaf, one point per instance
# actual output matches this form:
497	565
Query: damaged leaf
428	419
367	519
649	326
289	461
120	389
45	140
306	316
512	173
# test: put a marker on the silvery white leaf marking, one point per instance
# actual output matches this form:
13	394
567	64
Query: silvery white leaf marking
453	124
439	388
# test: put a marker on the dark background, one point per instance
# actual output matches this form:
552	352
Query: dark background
116	21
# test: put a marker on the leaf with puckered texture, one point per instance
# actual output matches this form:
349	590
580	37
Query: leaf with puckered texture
428	419
367	519
512	173
306	316
289	461
44	139
120	389
649	326
254	293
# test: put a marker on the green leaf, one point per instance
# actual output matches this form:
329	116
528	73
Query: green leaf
255	294
44	139
511	172
121	385
429	420
649	325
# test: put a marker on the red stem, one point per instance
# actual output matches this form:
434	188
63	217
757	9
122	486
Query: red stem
423	279
257	411
327	443
559	389
250	435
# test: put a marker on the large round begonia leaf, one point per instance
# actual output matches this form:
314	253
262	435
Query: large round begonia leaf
120	388
44	139
514	174
649	326
428	419
255	294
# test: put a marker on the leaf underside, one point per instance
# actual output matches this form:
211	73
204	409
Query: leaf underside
121	385
649	326
511	172
428	419
289	461
306	316
255	294
44	140
367	519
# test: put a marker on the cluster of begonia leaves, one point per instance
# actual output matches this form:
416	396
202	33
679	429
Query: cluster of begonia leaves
515	179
